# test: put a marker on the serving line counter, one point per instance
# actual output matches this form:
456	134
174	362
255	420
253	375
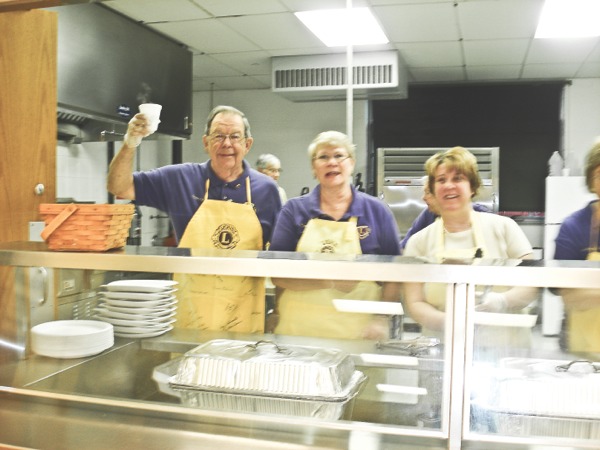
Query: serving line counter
417	394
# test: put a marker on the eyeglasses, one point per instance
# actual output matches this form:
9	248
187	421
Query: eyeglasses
234	138
338	158
273	170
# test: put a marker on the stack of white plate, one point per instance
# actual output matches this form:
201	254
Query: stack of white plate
71	338
138	308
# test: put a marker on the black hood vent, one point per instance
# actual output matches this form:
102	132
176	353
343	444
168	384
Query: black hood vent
107	65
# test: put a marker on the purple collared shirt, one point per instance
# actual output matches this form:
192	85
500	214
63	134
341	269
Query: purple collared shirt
383	238
179	189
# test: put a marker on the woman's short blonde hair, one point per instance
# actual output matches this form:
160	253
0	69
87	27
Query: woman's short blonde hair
459	159
592	160
331	139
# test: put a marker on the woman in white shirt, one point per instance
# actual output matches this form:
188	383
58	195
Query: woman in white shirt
462	233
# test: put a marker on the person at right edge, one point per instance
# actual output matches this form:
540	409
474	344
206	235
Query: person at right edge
578	239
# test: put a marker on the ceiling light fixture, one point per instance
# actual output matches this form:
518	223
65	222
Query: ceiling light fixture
341	27
569	19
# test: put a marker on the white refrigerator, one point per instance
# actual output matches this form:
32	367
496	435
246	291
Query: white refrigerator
564	195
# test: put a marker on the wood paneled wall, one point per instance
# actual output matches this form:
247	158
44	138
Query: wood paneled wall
28	100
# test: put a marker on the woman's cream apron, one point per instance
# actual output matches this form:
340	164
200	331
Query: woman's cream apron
435	293
584	325
215	302
490	342
311	312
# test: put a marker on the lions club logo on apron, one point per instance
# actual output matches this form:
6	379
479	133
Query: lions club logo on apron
328	246
226	237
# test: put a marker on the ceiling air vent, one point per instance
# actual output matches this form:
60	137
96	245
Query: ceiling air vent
323	77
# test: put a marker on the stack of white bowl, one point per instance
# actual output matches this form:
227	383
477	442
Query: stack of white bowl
138	308
71	338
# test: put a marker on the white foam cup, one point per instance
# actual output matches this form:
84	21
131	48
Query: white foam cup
152	113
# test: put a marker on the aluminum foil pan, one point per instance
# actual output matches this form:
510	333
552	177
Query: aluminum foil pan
568	389
264	368
331	409
281	406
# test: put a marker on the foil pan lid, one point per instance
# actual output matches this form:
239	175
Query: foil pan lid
265	367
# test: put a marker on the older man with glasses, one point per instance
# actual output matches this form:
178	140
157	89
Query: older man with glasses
221	203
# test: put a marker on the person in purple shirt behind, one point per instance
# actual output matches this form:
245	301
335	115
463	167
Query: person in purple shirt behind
334	218
429	214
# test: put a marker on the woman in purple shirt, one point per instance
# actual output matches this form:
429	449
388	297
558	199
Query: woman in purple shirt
334	218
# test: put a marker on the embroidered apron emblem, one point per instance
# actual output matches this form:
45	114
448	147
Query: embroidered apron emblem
363	231
226	236
328	246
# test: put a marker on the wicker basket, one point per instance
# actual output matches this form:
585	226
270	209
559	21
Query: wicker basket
86	228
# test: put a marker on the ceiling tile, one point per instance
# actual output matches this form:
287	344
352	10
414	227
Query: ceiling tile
431	54
401	2
157	10
494	73
594	55
550	71
208	66
495	52
199	84
304	51
589	70
265	80
235	7
418	23
309	5
247	63
274	31
439	40
493	19
208	36
438	74
231	83
560	50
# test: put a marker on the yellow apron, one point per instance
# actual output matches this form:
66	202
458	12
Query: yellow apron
584	326
311	312
215	302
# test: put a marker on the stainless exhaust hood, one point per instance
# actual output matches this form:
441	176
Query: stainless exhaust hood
107	65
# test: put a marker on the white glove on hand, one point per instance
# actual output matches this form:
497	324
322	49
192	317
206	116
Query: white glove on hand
377	330
132	141
493	302
136	130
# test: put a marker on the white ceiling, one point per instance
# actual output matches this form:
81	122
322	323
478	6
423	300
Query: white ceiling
440	40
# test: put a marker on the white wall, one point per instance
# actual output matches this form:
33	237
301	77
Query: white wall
581	121
285	129
81	175
81	172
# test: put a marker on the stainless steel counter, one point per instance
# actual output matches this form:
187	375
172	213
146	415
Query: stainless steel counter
111	397
111	401
310	266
